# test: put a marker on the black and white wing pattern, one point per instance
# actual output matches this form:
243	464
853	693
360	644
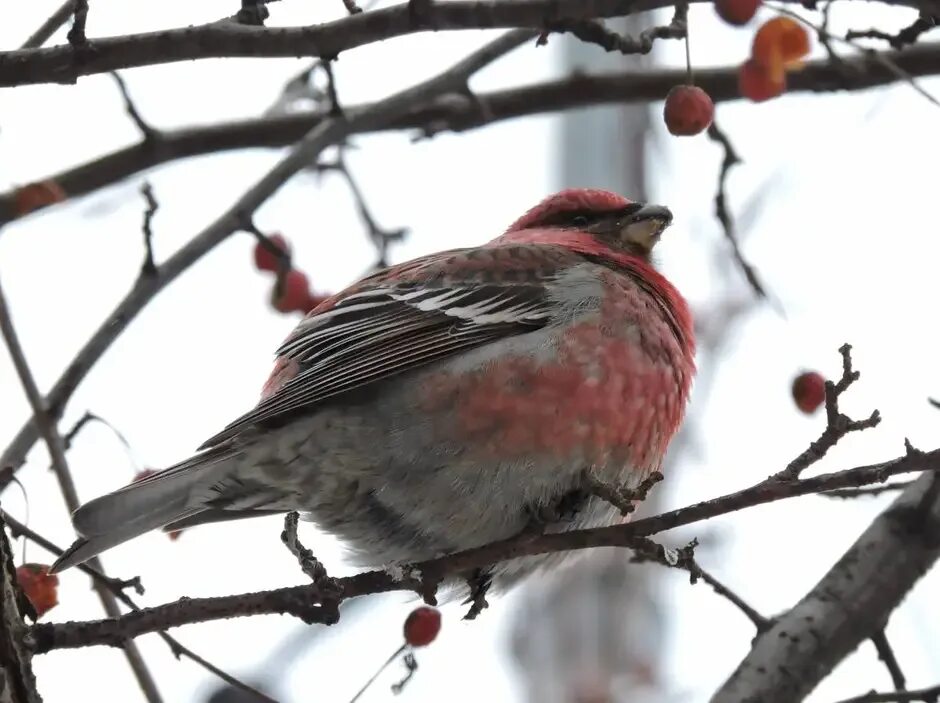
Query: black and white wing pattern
404	318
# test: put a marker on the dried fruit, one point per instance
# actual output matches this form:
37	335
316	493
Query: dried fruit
737	12
809	391
292	294
422	626
688	110
34	196
265	259
755	83
779	45
39	585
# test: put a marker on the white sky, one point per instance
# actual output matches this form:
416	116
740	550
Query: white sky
845	240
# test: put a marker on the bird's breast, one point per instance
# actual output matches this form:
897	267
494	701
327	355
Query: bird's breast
605	386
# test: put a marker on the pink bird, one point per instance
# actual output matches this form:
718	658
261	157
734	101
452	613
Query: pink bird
442	403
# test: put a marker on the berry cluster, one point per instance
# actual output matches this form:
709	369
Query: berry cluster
291	291
779	46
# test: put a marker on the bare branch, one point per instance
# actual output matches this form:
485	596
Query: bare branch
149	268
50	26
117	587
927	695
148	132
886	655
449	113
850	604
304	602
76	36
325	40
50	434
594	32
905	37
838	425
326	133
870	491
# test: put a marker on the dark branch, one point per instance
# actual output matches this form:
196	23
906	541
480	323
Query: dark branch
148	132
886	655
149	268
594	32
905	37
325	40
304	602
325	133
927	695
50	26
50	434
838	425
455	113
76	36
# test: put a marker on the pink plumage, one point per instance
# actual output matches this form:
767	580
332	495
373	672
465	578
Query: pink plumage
440	404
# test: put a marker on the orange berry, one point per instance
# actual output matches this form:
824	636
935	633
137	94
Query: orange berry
422	626
37	195
294	293
266	260
688	110
737	12
809	391
756	83
40	587
780	41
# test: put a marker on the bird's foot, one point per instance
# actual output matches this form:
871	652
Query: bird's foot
564	509
624	499
328	586
479	583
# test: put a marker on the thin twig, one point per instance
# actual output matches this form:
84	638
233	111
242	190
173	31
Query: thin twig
53	440
50	26
910	34
838	425
325	133
926	695
457	114
381	238
118	588
886	655
149	268
594	32
869	491
76	36
729	160
148	132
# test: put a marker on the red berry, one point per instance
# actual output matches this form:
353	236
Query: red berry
39	585
422	626
756	83
688	110
266	260
737	12
809	391
294	292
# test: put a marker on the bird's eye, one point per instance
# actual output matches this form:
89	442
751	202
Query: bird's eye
579	221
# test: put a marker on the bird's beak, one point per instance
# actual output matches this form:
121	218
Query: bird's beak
643	227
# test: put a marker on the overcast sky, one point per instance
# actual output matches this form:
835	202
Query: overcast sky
844	237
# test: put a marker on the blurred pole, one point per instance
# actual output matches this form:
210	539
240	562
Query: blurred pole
593	633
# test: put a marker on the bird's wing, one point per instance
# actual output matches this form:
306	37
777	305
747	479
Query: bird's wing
405	317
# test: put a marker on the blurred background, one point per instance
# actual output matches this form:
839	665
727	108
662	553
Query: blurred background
833	204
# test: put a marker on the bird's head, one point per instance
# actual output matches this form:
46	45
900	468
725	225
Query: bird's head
611	219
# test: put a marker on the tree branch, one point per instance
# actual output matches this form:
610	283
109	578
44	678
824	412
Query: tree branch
307	602
849	605
326	40
326	132
453	113
50	26
52	438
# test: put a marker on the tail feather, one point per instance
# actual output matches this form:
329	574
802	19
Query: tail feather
131	511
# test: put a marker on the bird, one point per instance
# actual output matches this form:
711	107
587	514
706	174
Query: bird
453	400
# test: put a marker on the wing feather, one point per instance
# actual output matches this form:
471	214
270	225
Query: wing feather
385	327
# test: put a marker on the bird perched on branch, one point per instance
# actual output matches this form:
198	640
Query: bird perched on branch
449	401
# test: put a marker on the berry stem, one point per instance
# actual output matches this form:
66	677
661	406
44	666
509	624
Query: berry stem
688	55
376	674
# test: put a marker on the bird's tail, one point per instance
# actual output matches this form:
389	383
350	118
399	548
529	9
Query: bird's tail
142	506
